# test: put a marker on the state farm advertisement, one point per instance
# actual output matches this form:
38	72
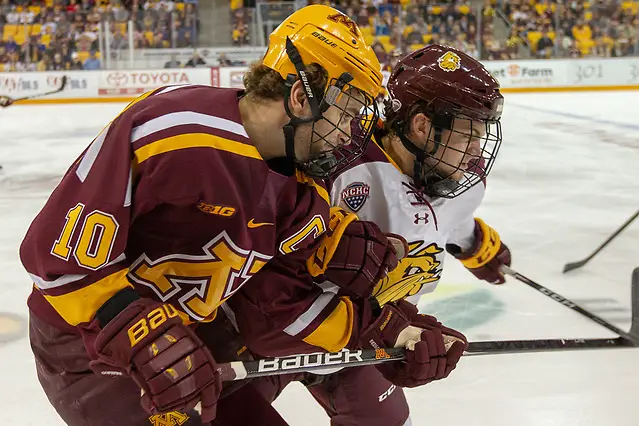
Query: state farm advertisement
128	83
519	74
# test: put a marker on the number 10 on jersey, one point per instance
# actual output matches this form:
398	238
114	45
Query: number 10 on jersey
95	241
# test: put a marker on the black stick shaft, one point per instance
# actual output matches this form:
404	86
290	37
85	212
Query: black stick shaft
574	265
308	362
569	304
63	84
240	370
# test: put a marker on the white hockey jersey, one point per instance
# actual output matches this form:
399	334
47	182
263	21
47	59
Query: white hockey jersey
376	190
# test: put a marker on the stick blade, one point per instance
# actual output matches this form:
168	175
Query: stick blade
574	265
63	83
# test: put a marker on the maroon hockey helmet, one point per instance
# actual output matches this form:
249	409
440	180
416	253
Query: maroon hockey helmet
459	96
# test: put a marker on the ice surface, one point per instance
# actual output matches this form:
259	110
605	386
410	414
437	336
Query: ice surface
567	176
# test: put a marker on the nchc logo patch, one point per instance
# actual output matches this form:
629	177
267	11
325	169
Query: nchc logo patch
355	195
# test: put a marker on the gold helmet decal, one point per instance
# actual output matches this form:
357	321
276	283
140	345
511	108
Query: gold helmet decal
419	268
449	62
340	18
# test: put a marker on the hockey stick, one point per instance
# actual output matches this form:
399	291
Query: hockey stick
239	370
574	265
63	84
631	336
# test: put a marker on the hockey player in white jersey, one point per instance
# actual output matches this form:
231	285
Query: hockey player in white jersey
426	175
423	179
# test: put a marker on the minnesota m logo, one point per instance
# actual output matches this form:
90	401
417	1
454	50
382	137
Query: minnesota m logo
340	18
172	418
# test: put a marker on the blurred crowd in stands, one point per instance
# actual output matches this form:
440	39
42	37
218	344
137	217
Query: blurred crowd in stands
490	29
77	34
41	35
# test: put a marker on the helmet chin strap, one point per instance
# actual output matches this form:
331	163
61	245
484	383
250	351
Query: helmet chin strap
316	113
423	175
320	166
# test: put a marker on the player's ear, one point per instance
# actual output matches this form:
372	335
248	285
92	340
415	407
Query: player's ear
419	129
298	102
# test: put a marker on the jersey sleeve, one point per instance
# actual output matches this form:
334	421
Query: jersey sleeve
152	160
74	249
283	311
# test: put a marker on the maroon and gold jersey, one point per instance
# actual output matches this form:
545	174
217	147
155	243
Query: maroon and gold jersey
173	199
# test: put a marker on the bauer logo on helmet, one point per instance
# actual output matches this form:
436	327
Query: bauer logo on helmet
449	61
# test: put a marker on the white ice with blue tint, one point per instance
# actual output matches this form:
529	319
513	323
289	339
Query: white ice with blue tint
566	177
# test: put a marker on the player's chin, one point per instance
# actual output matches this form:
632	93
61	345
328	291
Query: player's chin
457	175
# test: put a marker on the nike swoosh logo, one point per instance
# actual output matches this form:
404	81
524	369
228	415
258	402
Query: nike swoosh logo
252	224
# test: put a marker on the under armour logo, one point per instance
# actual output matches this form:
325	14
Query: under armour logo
418	218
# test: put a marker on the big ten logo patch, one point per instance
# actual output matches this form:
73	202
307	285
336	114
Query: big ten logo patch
12	327
225	211
355	195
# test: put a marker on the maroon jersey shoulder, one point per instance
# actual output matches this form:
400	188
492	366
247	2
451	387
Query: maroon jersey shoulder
173	199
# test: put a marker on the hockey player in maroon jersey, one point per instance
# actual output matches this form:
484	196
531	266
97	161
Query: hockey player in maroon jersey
423	180
177	203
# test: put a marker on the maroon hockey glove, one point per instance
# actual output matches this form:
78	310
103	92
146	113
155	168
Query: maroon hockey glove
148	342
359	254
432	349
487	255
5	101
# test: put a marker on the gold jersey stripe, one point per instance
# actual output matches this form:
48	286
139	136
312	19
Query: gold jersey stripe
138	99
302	178
81	305
195	140
335	331
388	157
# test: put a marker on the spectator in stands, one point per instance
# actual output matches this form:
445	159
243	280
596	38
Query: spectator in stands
44	64
14	63
119	42
173	62
186	40
10	45
13	16
224	61
195	61
92	62
581	31
514	43
473	50
380	52
545	46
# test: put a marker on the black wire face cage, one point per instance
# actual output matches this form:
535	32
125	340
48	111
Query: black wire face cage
347	138
437	174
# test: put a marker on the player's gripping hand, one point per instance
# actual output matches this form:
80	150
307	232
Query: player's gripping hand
433	350
5	101
487	255
355	254
148	342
